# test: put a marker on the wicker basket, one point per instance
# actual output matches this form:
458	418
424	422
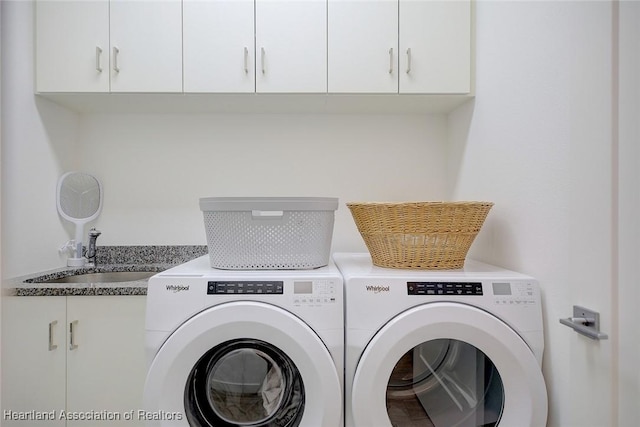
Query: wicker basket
419	235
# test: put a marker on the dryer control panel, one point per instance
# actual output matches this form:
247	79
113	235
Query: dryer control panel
517	293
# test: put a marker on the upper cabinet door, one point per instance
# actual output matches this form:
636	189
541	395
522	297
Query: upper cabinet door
291	46
146	46
218	42
435	46
72	46
363	46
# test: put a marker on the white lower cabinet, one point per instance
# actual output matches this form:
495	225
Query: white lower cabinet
33	359
73	361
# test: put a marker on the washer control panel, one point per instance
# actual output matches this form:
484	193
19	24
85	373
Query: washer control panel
304	292
245	287
314	293
444	288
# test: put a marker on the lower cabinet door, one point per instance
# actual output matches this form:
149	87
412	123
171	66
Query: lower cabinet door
33	361
72	361
106	366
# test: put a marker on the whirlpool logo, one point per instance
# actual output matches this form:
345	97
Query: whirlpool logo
377	289
177	288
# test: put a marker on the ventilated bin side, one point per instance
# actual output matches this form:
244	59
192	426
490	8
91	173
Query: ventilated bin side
296	239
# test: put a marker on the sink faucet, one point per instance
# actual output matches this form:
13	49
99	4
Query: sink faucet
91	249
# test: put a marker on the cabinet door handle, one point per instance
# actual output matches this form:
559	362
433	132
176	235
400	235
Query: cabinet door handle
391	61
262	59
408	60
98	57
246	60
52	346
116	67
72	335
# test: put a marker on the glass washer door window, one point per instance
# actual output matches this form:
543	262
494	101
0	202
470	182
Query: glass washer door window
444	383
244	382
475	335
286	334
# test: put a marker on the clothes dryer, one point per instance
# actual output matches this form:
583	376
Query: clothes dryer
457	348
244	348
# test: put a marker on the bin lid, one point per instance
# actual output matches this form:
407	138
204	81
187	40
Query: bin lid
231	204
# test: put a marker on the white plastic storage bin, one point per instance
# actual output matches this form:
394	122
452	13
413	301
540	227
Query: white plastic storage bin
265	233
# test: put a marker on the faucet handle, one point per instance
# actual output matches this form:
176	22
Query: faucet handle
68	247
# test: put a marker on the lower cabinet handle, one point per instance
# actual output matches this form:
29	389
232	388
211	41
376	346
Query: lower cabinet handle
72	335
262	59
391	61
98	57
52	346
408	60
116	67
246	60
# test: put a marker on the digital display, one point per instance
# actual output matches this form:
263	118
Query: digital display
305	287
501	288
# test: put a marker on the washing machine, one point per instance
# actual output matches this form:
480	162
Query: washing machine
455	348
244	348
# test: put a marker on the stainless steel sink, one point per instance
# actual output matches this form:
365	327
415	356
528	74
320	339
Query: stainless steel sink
104	277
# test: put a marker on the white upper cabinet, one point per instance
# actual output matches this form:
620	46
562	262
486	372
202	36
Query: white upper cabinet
146	46
102	46
363	46
291	46
435	46
218	42
72	46
289	54
405	46
255	46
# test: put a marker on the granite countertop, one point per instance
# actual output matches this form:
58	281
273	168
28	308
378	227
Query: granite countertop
109	259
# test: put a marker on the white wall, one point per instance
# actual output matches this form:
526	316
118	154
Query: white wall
155	167
0	199
38	140
629	212
537	141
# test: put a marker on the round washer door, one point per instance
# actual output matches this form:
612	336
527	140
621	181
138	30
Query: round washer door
448	365
243	364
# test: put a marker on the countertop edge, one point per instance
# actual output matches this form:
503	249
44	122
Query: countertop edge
140	258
